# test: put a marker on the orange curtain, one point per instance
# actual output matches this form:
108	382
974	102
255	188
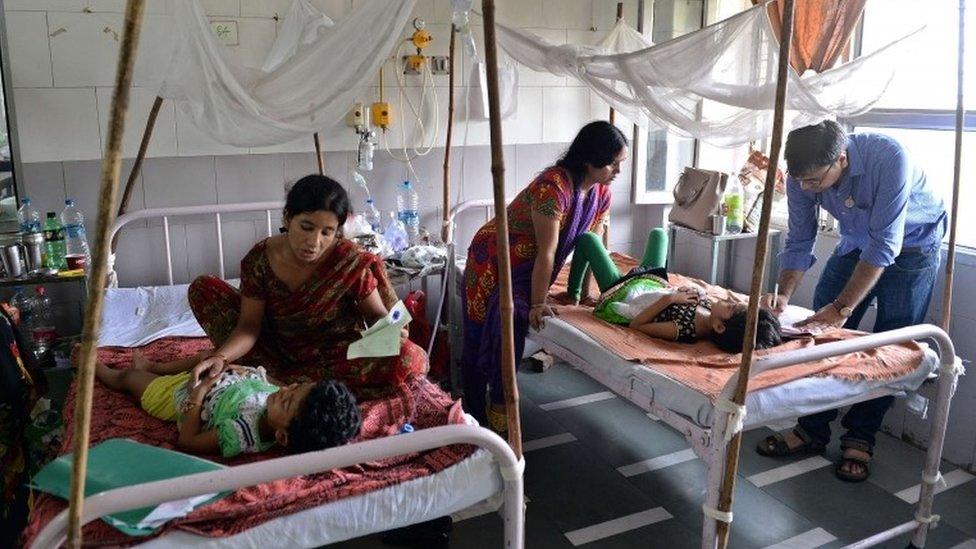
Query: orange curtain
821	30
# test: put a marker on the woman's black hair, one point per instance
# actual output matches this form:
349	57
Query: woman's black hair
597	144
767	332
812	147
329	417
316	192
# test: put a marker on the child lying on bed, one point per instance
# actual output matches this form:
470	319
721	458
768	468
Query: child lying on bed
644	300
241	410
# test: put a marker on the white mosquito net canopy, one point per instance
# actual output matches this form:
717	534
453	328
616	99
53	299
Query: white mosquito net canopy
717	84
312	74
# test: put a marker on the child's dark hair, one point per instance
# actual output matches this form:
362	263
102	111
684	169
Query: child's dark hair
329	417
767	332
812	147
597	144
318	192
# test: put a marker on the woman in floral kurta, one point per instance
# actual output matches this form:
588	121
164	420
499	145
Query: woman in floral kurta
304	297
544	221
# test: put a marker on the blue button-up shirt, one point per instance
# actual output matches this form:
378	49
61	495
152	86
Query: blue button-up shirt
882	202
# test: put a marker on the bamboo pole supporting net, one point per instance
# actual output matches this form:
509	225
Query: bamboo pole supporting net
137	165
758	269
506	309
318	153
956	172
111	168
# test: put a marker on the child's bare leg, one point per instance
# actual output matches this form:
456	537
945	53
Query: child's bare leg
133	382
140	362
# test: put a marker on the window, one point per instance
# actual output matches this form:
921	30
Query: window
663	154
918	109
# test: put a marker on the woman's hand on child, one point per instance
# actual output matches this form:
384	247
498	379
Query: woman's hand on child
776	303
211	366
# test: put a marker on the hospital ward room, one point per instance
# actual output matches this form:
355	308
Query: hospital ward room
512	274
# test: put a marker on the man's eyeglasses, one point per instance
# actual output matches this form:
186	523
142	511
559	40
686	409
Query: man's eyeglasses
815	181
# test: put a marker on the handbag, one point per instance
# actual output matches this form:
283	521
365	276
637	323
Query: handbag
697	196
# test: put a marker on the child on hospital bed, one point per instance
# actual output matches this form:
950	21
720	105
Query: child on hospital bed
644	300
241	410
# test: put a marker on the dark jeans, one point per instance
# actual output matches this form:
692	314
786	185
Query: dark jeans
903	293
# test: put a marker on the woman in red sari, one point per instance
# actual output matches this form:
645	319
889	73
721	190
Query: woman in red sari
305	295
544	221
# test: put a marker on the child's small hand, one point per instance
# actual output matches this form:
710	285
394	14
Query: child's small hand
685	295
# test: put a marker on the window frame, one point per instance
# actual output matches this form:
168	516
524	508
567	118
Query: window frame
910	119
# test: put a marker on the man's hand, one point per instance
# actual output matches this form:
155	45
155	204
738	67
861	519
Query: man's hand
827	317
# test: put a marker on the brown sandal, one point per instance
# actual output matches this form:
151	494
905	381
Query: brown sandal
854	456
775	445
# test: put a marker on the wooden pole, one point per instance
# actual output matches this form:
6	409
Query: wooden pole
446	228
613	118
111	168
620	15
137	166
954	214
501	222
318	153
758	269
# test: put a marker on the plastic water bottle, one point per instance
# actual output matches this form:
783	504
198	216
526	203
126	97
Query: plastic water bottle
395	234
43	333
734	203
53	242
372	216
77	254
22	302
29	218
408	208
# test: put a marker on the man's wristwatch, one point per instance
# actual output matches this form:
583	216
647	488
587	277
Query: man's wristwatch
843	310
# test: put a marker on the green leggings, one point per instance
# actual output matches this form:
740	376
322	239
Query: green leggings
589	252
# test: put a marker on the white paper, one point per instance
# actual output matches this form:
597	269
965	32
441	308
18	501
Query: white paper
383	337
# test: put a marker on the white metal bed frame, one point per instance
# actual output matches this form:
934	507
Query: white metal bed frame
711	446
231	478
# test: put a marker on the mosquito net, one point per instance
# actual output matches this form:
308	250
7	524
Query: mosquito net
717	84
311	76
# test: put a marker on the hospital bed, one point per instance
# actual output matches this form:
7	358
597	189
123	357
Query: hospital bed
491	476
696	415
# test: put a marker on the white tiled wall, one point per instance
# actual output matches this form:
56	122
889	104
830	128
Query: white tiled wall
64	52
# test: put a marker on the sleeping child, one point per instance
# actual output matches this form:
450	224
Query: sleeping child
239	411
644	300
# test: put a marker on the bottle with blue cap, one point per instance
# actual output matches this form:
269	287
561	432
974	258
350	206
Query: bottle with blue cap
77	253
408	210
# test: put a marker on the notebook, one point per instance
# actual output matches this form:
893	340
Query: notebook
120	462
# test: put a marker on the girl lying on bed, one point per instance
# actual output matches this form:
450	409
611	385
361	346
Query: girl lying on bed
644	300
239	411
305	295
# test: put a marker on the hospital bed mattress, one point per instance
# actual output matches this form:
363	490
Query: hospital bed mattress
644	386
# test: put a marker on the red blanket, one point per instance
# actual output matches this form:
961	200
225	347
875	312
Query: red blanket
115	415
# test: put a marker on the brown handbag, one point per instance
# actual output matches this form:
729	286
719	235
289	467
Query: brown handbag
697	196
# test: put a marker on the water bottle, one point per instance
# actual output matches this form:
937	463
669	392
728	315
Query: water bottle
408	208
53	242
22	303
29	218
77	254
733	206
395	234
43	333
372	216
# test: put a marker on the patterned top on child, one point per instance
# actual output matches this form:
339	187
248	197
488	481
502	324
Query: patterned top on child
233	407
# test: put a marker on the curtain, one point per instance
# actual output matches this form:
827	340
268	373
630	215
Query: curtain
821	30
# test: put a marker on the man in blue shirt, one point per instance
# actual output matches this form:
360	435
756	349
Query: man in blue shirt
891	227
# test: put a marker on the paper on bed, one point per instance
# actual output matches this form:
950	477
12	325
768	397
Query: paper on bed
383	337
120	462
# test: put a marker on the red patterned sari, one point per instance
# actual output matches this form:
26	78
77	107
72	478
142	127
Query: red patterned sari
305	333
